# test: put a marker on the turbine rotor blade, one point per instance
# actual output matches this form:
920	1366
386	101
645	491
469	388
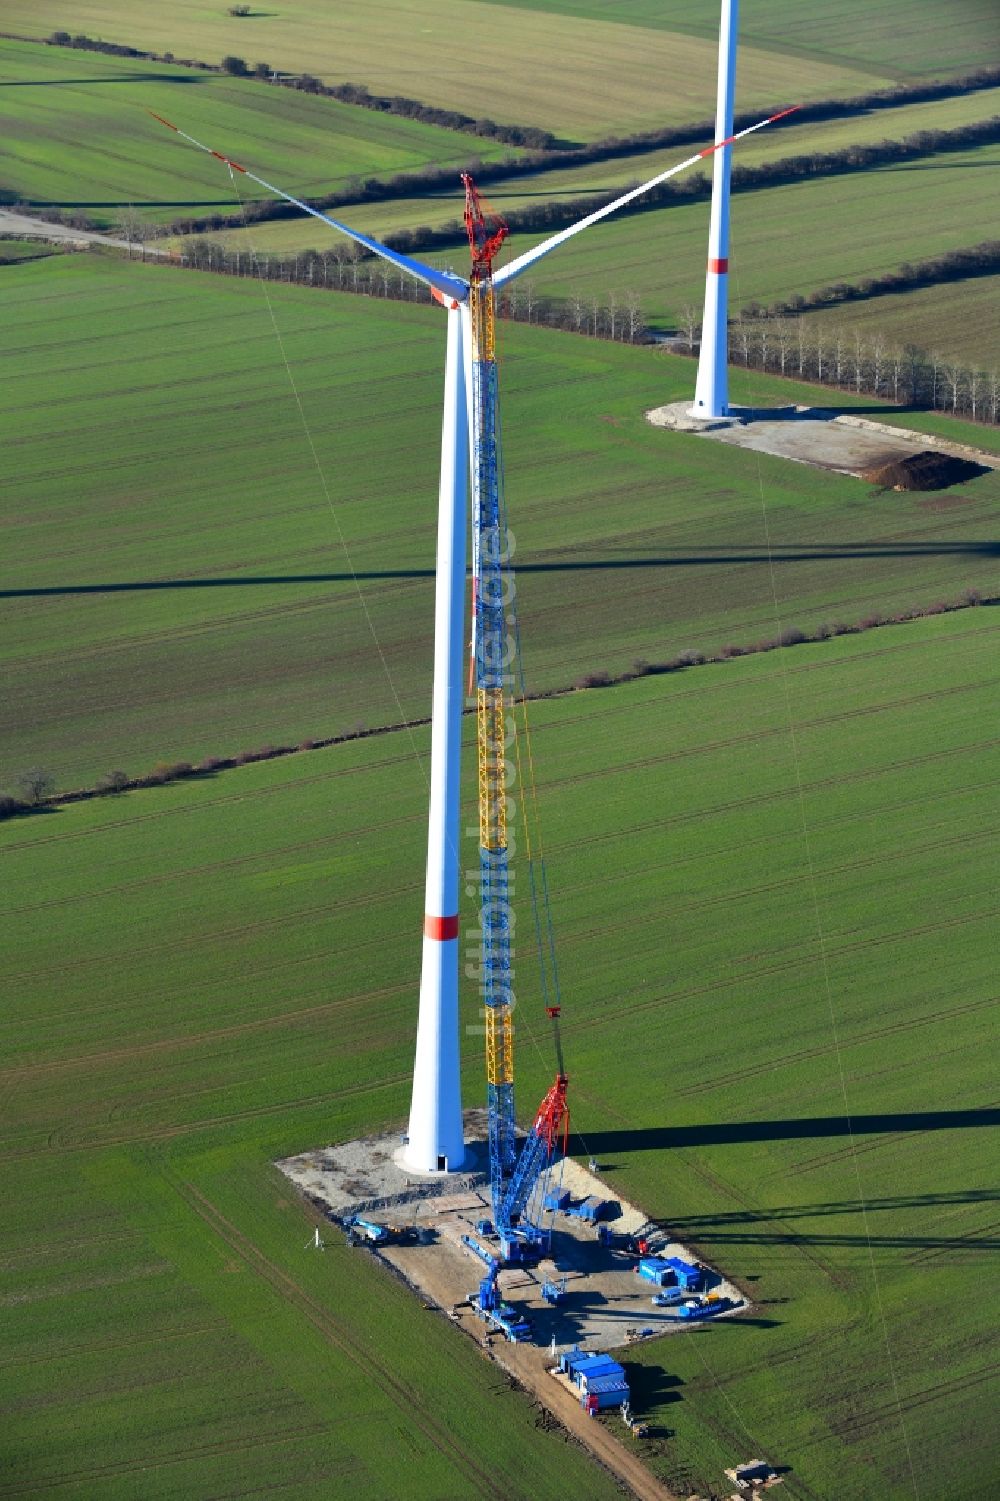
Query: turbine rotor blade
452	287
515	267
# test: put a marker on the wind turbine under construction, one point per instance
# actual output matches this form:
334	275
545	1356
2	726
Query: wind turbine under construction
471	419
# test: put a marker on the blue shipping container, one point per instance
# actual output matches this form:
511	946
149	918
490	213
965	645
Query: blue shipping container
688	1275
600	1370
611	1393
570	1359
655	1269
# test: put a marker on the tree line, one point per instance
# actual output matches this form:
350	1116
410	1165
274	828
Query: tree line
359	94
542	142
557	214
348	268
866	363
952	265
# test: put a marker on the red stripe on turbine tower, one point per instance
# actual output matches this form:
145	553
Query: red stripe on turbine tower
719	267
441	928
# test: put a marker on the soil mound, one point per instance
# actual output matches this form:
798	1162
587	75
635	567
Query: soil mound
923	471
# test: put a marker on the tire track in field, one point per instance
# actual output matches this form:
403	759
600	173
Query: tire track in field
848	1427
190	1452
765	971
135	1051
840	1280
801	1055
570	937
94	1347
659	824
285	964
406	1398
775	673
635	874
755	737
404	758
684	753
56	1140
855	1149
234	863
781	883
954	1247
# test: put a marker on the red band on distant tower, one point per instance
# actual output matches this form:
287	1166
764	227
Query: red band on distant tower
441	928
719	267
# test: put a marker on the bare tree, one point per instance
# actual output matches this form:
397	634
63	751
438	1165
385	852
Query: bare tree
973	386
34	785
613	314
783	336
838	356
951	375
878	362
859	360
744	333
994	394
595	316
530	299
578	309
129	225
633	312
914	359
690	326
802	344
896	366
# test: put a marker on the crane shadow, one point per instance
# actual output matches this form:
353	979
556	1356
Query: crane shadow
746	1227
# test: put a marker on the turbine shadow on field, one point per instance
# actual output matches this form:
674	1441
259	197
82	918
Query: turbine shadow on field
48	83
735	1133
703	558
185	203
764	1227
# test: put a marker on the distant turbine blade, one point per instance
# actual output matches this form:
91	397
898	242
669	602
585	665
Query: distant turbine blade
452	287
522	262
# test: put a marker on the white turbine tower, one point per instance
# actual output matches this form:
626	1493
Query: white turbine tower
435	1139
711	392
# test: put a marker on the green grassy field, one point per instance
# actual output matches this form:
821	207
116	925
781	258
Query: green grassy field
13	251
179	583
957	318
901	37
77	135
793	926
510	193
586	78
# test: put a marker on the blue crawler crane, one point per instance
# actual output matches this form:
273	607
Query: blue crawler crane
514	1174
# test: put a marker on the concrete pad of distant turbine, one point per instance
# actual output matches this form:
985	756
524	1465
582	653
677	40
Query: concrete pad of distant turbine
820	437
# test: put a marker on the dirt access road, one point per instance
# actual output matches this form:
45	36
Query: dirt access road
22	226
